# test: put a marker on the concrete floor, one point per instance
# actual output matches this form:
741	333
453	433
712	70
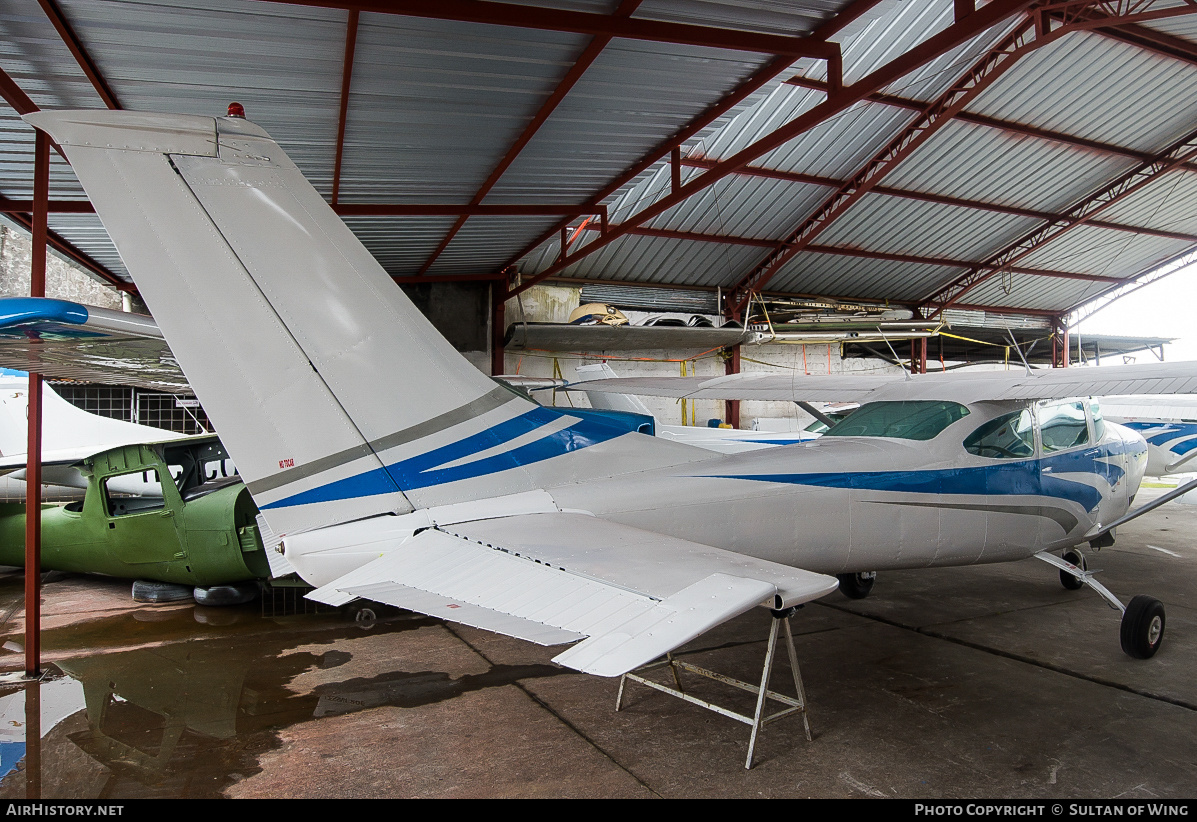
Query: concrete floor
989	681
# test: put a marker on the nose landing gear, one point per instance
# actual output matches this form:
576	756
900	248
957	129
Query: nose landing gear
1142	628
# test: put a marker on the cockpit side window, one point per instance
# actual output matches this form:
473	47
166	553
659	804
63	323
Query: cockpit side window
913	420
124	494
1063	425
1011	436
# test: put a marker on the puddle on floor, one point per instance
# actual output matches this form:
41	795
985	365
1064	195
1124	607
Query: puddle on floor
192	710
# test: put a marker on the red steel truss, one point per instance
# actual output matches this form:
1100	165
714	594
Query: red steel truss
1082	213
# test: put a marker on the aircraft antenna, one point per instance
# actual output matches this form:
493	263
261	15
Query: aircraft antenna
897	359
1019	350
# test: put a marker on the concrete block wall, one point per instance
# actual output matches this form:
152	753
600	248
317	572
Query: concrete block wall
64	279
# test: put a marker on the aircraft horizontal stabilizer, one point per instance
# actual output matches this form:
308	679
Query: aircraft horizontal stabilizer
556	578
279	565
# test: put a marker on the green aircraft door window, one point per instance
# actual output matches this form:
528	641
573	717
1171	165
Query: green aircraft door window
142	529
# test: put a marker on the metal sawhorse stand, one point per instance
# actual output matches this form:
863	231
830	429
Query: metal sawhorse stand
758	720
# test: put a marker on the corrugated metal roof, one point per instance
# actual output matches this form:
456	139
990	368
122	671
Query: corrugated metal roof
435	105
1104	90
861	278
1004	168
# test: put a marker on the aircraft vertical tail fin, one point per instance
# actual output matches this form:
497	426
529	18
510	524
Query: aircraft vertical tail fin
335	396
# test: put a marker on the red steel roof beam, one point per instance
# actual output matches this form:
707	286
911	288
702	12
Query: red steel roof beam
15	96
1036	32
342	115
993	122
75	45
8	206
1127	184
571	78
933	117
759	79
484	210
938	44
941	199
1158	42
845	251
596	25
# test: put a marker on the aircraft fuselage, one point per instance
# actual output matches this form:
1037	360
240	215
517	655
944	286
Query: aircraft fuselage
851	504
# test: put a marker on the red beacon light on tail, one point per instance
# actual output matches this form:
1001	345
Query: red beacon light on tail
236	110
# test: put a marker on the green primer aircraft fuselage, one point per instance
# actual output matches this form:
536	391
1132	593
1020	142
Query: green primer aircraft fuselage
192	527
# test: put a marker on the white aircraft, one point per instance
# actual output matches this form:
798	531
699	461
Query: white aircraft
721	440
69	435
1169	424
388	468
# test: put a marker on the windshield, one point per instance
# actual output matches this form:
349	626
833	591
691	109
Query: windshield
818	426
914	420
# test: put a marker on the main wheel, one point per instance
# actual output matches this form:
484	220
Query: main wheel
857	586
363	613
1142	627
1068	580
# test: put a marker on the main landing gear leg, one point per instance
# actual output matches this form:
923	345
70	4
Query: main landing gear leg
1142	628
857	586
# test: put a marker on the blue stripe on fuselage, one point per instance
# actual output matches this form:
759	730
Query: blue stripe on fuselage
1017	477
1167	432
423	470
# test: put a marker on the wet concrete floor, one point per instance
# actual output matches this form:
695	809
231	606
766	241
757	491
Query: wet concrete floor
989	681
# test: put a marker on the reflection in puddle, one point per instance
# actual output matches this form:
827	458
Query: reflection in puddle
58	699
188	718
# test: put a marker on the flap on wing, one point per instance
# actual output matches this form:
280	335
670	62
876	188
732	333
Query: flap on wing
669	624
555	578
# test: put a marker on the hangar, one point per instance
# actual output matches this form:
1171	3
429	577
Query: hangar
985	168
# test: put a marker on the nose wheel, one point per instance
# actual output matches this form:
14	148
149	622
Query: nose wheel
1142	629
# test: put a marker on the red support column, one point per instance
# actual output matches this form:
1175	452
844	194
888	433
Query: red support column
1060	341
732	366
918	356
498	325
33	468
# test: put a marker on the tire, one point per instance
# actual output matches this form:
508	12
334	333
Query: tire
362	613
1068	580
1142	630
857	586
157	593
224	595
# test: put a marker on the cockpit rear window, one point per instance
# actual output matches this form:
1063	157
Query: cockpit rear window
913	420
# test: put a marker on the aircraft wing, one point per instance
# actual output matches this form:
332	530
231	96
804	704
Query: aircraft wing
630	595
959	386
59	338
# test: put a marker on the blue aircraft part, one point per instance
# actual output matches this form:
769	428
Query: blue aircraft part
43	318
424	470
630	421
1170	431
1013	478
